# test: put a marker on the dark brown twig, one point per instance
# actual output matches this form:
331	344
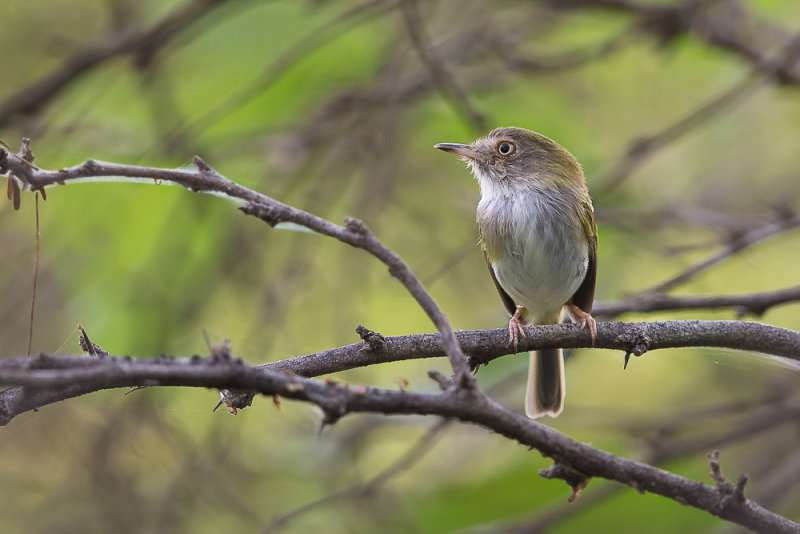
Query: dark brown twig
725	24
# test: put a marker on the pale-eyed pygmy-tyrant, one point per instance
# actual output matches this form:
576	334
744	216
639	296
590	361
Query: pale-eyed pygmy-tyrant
539	237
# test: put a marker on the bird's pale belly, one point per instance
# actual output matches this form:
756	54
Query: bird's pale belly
538	250
542	273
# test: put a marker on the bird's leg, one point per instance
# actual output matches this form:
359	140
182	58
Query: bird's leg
515	327
583	319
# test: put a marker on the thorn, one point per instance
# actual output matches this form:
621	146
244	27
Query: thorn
627	357
25	151
373	340
440	379
356	226
401	382
575	479
741	482
200	164
88	346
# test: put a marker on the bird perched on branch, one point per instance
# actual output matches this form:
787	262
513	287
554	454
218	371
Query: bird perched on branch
539	238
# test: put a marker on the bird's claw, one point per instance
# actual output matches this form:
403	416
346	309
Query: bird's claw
515	328
583	320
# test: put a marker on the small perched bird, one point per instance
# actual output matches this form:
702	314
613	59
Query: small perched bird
539	238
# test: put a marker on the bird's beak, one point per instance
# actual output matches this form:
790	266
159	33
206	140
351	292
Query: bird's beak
465	151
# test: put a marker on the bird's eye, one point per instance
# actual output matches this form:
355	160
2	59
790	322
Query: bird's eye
505	148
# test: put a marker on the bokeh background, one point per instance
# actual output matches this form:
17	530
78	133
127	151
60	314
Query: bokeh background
334	107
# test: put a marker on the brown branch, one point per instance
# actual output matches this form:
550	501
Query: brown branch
660	451
204	179
483	346
337	400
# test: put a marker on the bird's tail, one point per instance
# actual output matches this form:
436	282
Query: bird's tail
545	392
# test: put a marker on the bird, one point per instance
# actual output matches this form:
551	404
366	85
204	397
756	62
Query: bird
539	239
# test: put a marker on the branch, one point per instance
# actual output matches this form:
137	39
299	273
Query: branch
337	400
753	303
658	453
483	346
205	179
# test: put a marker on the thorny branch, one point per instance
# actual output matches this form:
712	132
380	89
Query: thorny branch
205	179
483	346
337	400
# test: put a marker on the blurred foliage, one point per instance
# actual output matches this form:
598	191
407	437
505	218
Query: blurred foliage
326	106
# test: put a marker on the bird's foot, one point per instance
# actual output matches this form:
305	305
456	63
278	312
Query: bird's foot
515	328
583	319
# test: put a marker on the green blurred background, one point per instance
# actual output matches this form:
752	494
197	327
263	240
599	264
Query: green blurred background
327	106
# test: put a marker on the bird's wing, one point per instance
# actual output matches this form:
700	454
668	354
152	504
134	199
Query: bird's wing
508	302
584	296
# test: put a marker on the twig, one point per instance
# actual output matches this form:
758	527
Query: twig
273	72
35	273
406	462
551	515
